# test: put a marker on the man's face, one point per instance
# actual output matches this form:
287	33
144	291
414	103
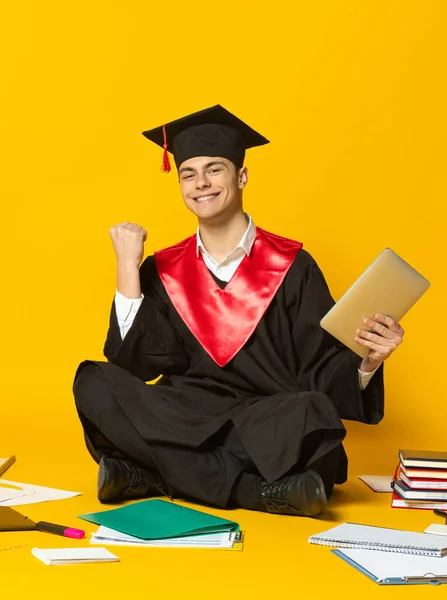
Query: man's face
212	187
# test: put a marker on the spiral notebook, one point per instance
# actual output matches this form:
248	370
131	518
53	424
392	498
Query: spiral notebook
367	537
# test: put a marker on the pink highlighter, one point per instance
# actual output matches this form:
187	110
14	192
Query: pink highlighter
69	532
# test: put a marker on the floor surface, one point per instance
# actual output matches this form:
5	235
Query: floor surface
277	560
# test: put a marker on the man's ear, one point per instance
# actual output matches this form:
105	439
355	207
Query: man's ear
243	178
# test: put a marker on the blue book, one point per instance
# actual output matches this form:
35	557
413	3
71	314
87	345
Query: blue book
408	493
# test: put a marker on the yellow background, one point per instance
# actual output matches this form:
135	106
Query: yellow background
352	95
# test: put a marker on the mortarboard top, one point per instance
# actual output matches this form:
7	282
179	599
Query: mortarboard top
210	132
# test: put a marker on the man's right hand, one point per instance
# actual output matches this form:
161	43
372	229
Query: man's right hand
128	242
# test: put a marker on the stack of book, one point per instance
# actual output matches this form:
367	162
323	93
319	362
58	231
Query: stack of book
420	480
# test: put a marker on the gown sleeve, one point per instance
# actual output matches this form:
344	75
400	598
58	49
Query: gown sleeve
324	364
151	347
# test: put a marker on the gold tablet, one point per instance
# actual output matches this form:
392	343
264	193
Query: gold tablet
389	286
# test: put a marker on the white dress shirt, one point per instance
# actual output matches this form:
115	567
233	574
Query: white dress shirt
127	308
225	269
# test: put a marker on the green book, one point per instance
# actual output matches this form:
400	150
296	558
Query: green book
159	519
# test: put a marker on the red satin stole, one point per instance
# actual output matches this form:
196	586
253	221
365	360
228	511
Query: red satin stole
222	320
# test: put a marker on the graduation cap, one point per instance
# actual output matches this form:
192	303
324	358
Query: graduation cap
210	132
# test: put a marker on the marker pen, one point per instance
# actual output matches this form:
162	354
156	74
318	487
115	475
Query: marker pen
69	532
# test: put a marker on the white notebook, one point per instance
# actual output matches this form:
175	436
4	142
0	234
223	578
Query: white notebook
367	537
437	529
71	556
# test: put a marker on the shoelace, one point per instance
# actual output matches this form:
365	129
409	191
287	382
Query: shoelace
276	490
139	481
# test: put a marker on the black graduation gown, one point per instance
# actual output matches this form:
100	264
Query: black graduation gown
290	380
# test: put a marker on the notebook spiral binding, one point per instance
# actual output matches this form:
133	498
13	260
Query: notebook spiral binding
375	546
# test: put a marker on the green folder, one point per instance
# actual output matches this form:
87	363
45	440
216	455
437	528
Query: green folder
159	519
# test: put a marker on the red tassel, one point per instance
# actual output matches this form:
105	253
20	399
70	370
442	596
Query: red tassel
166	166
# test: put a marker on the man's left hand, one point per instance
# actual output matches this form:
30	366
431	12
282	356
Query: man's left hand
384	337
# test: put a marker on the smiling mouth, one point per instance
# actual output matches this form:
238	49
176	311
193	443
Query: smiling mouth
208	198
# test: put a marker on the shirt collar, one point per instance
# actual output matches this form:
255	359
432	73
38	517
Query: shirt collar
246	243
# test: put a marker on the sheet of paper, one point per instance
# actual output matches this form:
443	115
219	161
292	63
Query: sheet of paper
107	536
35	493
10	493
378	483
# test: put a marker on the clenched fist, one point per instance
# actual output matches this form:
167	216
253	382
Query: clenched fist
128	242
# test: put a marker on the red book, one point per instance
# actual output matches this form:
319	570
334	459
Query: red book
398	502
423	483
415	473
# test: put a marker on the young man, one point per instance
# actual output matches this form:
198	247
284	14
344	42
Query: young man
248	408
